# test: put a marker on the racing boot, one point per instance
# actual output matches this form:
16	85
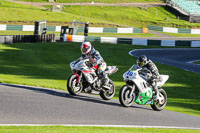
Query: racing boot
155	89
105	81
104	78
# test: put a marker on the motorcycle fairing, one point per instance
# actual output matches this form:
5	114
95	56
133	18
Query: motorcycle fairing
164	78
89	75
96	66
89	71
144	97
78	77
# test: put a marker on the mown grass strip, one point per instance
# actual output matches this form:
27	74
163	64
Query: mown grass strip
99	1
24	33
197	62
73	129
121	34
131	16
80	33
18	12
181	34
47	65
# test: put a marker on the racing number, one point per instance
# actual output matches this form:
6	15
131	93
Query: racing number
129	73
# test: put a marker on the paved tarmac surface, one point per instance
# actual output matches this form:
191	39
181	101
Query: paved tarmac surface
178	57
31	105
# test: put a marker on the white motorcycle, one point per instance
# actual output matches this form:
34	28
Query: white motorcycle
85	78
138	90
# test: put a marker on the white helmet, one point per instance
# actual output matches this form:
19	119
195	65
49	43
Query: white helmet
86	47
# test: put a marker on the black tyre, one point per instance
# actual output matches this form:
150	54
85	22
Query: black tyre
108	94
161	102
125	98
72	86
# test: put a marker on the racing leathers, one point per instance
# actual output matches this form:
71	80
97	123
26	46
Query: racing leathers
96	59
155	76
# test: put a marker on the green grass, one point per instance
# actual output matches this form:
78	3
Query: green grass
181	34
62	129
101	1
104	34
24	33
132	16
19	12
197	62
121	34
34	64
34	0
16	32
90	34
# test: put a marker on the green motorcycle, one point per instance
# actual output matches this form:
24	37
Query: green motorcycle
138	90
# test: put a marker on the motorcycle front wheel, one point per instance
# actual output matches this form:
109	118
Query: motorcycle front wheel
72	86
108	94
125	98
161	102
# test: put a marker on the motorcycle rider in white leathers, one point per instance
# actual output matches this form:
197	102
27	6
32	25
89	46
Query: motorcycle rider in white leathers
146	63
96	59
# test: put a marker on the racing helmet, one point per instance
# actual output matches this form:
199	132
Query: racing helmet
86	47
142	61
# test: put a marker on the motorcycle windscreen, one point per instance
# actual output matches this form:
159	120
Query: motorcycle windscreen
111	69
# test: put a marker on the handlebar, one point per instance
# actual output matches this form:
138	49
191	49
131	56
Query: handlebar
146	73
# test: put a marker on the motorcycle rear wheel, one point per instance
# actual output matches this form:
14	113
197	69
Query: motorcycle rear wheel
160	105
124	97
72	86
108	94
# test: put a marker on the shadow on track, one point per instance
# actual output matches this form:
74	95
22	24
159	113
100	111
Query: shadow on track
66	95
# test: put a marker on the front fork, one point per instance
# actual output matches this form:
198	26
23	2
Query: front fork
78	78
132	90
156	90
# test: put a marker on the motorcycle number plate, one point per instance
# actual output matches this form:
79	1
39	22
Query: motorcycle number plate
129	73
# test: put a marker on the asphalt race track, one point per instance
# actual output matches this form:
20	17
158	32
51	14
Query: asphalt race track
178	57
32	105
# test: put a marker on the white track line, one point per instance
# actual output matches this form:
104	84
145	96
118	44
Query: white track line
192	62
85	125
132	51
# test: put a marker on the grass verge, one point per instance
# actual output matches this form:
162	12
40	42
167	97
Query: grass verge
24	33
80	33
181	34
62	129
197	62
99	1
16	33
121	34
18	12
113	15
47	65
132	16
104	34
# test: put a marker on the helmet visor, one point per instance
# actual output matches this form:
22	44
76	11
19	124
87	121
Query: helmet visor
141	64
85	50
